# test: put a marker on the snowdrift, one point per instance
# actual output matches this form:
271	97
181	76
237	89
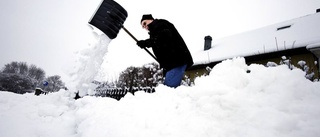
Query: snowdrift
235	100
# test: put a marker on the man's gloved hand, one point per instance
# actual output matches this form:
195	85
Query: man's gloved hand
142	43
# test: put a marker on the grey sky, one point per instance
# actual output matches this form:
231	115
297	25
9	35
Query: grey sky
42	32
46	33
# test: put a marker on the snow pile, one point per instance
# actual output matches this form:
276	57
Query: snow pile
88	65
235	100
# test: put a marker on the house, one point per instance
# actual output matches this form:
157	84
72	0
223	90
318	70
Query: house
297	40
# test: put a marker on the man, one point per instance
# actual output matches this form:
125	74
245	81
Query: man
169	48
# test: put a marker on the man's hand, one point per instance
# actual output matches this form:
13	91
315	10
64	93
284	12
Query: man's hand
142	43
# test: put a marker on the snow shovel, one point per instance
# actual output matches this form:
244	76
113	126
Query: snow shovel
109	18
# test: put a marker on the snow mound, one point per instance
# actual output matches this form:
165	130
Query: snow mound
235	100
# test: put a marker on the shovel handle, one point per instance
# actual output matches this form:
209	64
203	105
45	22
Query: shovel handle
137	41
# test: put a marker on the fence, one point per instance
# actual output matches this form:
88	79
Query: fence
118	93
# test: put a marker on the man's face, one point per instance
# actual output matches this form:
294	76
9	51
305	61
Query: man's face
145	24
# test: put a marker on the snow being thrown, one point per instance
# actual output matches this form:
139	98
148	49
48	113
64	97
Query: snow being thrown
88	63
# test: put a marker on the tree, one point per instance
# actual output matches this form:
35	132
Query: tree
149	75
22	68
36	73
54	84
128	78
18	77
16	83
16	67
131	80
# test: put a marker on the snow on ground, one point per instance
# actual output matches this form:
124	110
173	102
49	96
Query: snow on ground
230	102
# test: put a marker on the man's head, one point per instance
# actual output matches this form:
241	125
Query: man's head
146	20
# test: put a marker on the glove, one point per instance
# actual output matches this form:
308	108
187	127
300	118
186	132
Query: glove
142	43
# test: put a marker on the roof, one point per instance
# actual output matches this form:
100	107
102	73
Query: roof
291	34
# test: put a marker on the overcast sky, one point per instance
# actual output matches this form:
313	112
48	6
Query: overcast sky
46	33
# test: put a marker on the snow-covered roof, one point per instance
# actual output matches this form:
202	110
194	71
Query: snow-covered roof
295	33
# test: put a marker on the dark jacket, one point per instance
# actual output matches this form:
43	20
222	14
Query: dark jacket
167	45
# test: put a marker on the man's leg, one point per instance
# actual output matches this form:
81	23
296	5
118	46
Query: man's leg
174	76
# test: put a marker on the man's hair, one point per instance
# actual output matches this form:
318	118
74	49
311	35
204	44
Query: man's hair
146	17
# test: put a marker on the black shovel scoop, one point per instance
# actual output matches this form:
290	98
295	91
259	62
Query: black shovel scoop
109	18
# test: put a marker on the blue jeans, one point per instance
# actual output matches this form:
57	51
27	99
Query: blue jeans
174	76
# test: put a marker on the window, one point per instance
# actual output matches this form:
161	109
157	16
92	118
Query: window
284	27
